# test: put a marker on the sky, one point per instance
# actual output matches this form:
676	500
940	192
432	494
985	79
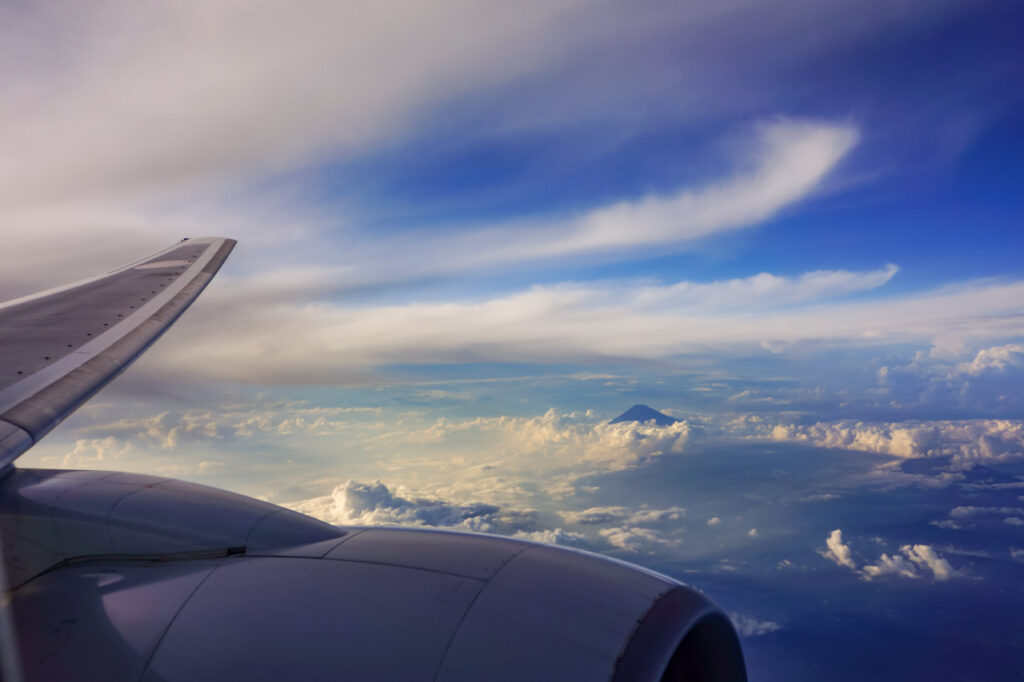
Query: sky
472	233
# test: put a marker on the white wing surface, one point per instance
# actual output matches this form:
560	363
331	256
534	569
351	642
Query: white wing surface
58	347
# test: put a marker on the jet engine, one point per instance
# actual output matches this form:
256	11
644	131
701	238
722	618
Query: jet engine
118	576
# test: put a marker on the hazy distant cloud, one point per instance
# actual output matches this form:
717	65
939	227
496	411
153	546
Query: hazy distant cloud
966	511
714	521
555	536
168	429
632	517
948	524
638	540
748	626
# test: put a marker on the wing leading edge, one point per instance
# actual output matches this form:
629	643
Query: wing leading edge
61	346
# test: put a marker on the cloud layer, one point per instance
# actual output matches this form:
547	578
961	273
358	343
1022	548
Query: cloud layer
966	441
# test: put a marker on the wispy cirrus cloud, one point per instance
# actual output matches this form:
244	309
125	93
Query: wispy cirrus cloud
583	323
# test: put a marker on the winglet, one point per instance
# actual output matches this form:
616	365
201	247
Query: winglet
63	345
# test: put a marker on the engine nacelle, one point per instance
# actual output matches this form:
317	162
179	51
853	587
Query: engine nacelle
303	600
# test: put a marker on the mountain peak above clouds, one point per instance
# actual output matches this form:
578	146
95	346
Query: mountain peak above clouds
643	414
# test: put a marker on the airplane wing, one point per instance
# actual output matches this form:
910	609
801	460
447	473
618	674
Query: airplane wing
61	346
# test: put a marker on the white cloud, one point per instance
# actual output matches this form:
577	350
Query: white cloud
357	503
96	453
1014	521
925	557
748	626
764	289
714	521
890	565
910	563
168	429
559	441
837	551
792	157
948	524
84	88
638	540
995	359
555	536
631	517
965	441
966	511
545	324
752	532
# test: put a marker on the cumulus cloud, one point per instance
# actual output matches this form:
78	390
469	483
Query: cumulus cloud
965	441
913	561
925	557
96	453
714	521
890	565
997	359
638	540
837	551
748	626
360	504
560	441
357	503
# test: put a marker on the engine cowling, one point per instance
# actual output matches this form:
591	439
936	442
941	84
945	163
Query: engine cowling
282	596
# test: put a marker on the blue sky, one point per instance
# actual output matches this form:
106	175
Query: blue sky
471	233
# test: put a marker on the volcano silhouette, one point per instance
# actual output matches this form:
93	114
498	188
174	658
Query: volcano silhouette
643	414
